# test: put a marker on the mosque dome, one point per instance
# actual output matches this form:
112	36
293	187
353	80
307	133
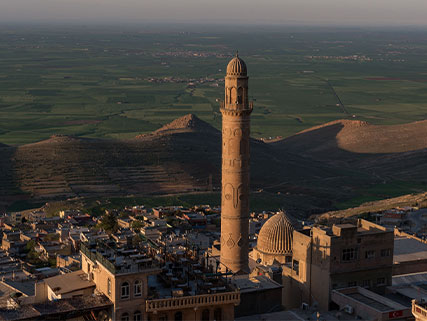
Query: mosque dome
237	67
275	236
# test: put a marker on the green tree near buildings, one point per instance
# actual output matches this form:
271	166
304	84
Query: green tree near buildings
109	223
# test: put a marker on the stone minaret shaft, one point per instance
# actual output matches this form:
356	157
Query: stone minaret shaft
236	111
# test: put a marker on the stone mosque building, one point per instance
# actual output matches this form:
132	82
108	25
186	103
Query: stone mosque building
314	262
275	237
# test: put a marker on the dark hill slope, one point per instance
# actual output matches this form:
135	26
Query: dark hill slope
318	167
358	137
397	151
179	157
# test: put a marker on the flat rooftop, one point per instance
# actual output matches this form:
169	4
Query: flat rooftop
411	278
185	276
369	301
51	310
408	249
118	258
66	283
23	286
257	283
410	286
368	298
300	315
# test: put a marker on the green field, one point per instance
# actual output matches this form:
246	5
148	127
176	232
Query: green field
94	82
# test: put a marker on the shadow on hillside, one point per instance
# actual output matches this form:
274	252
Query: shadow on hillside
358	170
321	144
10	193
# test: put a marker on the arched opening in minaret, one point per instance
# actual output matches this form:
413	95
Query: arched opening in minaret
228	95
233	95
240	95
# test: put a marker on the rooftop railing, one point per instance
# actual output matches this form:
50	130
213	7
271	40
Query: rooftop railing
418	311
127	267
193	301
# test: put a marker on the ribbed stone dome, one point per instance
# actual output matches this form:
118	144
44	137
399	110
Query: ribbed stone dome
237	67
275	236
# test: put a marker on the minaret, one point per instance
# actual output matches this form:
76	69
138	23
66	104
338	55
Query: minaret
236	111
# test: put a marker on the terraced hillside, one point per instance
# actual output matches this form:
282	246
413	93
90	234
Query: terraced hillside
324	167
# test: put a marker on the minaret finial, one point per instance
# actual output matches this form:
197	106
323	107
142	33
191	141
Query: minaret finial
237	53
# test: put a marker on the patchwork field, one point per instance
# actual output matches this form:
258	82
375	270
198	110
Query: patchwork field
121	82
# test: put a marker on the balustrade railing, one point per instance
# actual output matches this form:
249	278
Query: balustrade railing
193	301
418	311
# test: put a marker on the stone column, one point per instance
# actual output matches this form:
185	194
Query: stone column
236	112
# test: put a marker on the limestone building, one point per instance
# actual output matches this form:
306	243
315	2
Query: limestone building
142	288
274	241
346	255
236	110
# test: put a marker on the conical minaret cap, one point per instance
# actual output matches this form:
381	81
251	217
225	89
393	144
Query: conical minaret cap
237	67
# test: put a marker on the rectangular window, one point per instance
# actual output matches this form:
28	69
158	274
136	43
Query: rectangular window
348	254
295	266
385	252
370	254
366	283
137	288
353	283
381	281
125	290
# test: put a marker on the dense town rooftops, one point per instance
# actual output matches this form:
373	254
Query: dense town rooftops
52	310
120	259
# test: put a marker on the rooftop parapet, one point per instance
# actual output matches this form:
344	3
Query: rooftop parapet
419	310
193	301
120	260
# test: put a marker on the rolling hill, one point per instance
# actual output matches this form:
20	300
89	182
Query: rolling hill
322	167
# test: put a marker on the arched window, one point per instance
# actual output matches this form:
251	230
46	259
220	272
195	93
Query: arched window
205	315
178	316
125	290
240	95
233	95
137	316
218	314
125	317
109	286
137	288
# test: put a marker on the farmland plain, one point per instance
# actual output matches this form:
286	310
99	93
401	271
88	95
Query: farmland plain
123	81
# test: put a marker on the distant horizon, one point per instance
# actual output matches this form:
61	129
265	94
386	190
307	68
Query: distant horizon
238	12
208	25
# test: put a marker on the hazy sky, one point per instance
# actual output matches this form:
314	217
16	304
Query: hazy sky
373	12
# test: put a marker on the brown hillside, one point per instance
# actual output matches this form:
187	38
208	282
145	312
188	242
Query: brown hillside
360	137
318	167
187	123
377	206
